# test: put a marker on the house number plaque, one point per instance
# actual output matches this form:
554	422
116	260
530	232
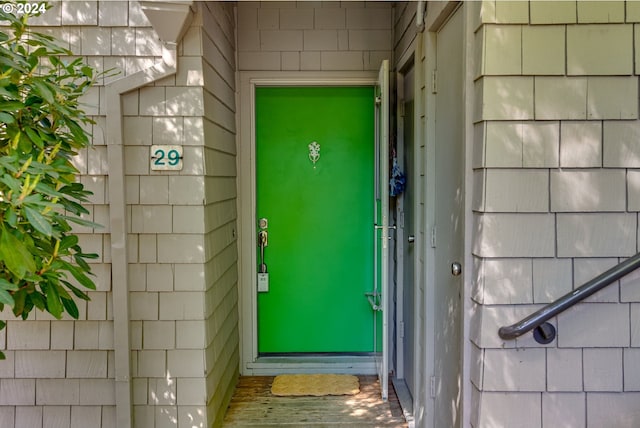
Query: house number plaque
166	158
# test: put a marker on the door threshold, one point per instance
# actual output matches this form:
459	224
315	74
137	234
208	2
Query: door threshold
339	364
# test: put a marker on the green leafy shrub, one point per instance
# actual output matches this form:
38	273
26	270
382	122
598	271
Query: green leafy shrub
41	131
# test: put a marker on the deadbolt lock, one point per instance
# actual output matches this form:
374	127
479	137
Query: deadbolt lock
456	268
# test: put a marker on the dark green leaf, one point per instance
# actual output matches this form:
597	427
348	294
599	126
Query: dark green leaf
5	63
5	298
6	285
54	305
81	263
41	51
62	292
82	278
49	42
61	224
89	255
28	306
78	133
48	190
83	222
44	38
44	91
77	274
71	308
33	199
75	208
6	118
9	162
87	71
75	290
37	300
11	105
36	168
15	62
24	144
41	89
20	298
11	217
15	254
38	221
8	93
11	182
36	202
33	61
34	137
68	242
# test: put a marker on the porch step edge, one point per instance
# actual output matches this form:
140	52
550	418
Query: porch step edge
269	366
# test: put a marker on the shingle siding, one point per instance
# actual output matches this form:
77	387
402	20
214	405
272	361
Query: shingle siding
558	137
332	36
218	371
65	370
556	196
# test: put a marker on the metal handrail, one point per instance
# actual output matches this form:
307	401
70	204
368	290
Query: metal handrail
537	319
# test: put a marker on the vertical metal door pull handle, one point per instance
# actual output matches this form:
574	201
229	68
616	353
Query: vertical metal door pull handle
262	242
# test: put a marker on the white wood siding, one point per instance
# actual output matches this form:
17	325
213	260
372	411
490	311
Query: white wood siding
182	252
221	269
311	36
554	200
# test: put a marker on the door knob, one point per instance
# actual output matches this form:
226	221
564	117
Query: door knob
456	268
411	239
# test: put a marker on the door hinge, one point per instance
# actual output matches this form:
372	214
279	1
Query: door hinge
434	81
378	100
432	387
433	237
401	330
401	108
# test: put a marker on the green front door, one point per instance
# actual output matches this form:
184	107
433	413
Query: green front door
319	252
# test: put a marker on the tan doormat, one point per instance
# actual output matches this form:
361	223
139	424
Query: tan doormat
315	385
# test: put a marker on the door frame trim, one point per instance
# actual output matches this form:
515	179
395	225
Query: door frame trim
245	162
408	61
400	67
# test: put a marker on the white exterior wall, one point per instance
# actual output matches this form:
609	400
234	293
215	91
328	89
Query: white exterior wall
404	29
61	373
313	36
556	196
182	254
220	212
555	189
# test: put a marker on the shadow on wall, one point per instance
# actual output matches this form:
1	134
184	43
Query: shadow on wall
163	409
